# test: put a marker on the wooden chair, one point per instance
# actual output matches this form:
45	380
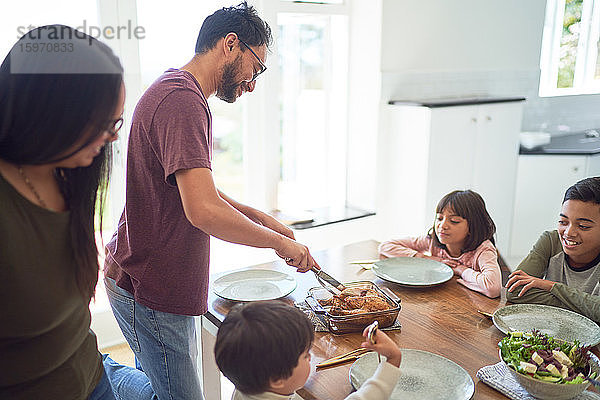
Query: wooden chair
504	269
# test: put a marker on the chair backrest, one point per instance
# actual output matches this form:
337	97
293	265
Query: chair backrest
504	268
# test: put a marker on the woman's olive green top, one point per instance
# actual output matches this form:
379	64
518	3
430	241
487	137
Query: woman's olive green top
47	350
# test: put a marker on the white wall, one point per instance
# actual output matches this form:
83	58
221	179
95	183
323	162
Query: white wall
439	48
461	35
364	91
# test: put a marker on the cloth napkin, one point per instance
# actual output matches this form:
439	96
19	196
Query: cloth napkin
498	377
320	323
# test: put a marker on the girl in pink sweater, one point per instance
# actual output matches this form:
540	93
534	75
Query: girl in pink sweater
462	237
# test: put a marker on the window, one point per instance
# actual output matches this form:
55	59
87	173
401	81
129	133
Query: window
287	139
570	62
318	1
169	43
313	69
283	146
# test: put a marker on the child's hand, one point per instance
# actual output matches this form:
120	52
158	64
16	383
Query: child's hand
385	346
456	266
521	278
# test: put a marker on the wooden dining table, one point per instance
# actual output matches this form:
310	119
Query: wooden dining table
441	319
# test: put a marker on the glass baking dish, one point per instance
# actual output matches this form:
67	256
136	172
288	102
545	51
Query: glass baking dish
357	322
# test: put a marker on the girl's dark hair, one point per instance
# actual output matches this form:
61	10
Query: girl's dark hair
242	20
261	341
586	190
44	114
470	206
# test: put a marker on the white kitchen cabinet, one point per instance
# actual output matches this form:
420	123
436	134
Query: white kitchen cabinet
426	152
541	184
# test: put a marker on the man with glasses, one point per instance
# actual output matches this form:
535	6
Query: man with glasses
156	270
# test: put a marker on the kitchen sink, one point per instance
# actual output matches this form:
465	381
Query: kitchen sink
586	142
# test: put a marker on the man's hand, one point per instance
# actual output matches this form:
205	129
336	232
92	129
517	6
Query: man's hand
521	278
297	255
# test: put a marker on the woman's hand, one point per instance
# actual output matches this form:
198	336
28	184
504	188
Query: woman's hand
521	278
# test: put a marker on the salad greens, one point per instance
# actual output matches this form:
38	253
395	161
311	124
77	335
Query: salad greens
545	358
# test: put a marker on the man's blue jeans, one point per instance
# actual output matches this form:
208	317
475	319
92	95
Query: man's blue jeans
165	348
103	390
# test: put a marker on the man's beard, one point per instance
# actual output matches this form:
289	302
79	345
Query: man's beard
227	90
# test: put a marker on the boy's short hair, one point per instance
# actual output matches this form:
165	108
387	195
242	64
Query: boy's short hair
586	190
261	341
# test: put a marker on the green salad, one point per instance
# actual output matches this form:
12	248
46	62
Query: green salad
545	358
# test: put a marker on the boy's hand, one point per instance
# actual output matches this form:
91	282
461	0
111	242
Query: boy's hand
521	278
385	346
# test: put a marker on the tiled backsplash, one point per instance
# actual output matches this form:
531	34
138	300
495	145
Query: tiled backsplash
557	115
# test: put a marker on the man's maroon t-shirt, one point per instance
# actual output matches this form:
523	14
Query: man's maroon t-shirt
156	253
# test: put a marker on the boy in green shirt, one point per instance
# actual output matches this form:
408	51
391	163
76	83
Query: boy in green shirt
563	268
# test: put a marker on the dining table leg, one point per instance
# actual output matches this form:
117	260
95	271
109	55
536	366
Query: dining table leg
210	375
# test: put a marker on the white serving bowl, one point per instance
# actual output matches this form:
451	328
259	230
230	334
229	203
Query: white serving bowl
548	390
531	140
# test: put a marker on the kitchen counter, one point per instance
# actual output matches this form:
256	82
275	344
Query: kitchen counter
581	143
459	101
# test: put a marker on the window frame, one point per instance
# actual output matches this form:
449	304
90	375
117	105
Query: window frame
268	132
261	134
587	50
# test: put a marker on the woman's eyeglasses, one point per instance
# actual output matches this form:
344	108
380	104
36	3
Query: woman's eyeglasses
115	127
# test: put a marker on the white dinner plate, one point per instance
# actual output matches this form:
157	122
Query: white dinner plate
253	284
425	376
412	271
557	322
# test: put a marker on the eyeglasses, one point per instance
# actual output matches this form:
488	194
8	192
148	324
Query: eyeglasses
263	67
115	127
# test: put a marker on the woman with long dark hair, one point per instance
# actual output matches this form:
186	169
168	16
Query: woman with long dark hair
61	101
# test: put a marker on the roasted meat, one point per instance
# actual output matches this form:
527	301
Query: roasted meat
356	301
367	303
358	292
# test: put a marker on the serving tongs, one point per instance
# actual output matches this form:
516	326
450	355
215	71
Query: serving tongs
332	285
325	280
354	354
344	358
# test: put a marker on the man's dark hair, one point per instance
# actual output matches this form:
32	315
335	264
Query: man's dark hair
261	341
242	20
586	190
470	206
